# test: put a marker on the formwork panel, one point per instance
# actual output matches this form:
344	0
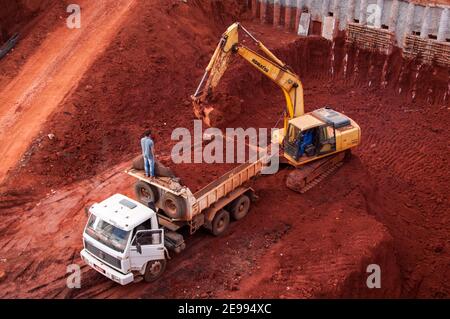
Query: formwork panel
427	50
370	38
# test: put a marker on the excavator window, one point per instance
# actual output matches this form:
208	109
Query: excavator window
293	134
327	139
327	133
292	142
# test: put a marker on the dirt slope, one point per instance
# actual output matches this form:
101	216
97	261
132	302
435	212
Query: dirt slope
50	75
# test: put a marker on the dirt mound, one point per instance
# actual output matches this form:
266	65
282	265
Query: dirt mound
126	91
329	259
351	240
330	239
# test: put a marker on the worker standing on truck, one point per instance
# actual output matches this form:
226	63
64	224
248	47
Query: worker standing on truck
148	153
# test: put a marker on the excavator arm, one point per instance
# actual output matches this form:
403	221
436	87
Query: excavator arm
269	65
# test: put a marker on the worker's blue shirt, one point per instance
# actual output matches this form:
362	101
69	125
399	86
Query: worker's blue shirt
307	139
147	144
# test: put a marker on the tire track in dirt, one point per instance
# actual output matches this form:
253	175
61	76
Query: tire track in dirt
52	73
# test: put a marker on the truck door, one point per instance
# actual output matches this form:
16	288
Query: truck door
146	245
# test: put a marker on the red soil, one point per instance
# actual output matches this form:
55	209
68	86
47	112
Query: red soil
388	205
198	175
15	14
34	20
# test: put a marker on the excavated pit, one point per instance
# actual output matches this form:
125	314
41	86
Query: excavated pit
387	206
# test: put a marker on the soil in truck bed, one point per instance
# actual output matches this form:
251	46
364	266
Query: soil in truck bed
195	178
198	175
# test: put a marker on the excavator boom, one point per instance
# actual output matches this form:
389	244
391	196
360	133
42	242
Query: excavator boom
269	65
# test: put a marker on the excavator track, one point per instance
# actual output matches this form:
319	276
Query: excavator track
306	177
320	178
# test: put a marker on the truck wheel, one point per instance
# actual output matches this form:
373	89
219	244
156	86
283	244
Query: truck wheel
220	222
154	270
145	192
240	207
173	205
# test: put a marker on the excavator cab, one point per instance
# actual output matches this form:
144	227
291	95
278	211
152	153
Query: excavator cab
308	137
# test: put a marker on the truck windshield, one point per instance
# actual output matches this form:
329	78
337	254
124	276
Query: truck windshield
107	234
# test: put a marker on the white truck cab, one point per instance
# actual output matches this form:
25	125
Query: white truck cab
125	239
122	239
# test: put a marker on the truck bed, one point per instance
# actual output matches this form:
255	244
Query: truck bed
212	192
227	183
196	176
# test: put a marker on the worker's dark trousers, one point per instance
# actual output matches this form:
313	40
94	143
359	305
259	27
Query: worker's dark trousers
149	165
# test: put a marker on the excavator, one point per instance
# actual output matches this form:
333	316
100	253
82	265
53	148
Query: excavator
315	143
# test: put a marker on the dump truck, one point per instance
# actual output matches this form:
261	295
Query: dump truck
126	239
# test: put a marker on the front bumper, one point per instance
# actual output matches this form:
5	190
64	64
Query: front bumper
106	270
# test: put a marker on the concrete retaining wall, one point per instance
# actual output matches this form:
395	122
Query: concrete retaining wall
401	18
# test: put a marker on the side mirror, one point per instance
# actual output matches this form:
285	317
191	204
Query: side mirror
138	248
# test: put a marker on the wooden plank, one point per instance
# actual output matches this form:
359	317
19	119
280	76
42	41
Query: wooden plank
428	50
370	38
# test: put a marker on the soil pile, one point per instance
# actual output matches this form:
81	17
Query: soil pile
126	91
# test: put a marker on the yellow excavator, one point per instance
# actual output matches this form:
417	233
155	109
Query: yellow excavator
316	142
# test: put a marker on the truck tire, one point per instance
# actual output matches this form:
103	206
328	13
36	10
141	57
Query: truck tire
138	163
154	270
160	169
220	222
239	207
173	205
145	192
